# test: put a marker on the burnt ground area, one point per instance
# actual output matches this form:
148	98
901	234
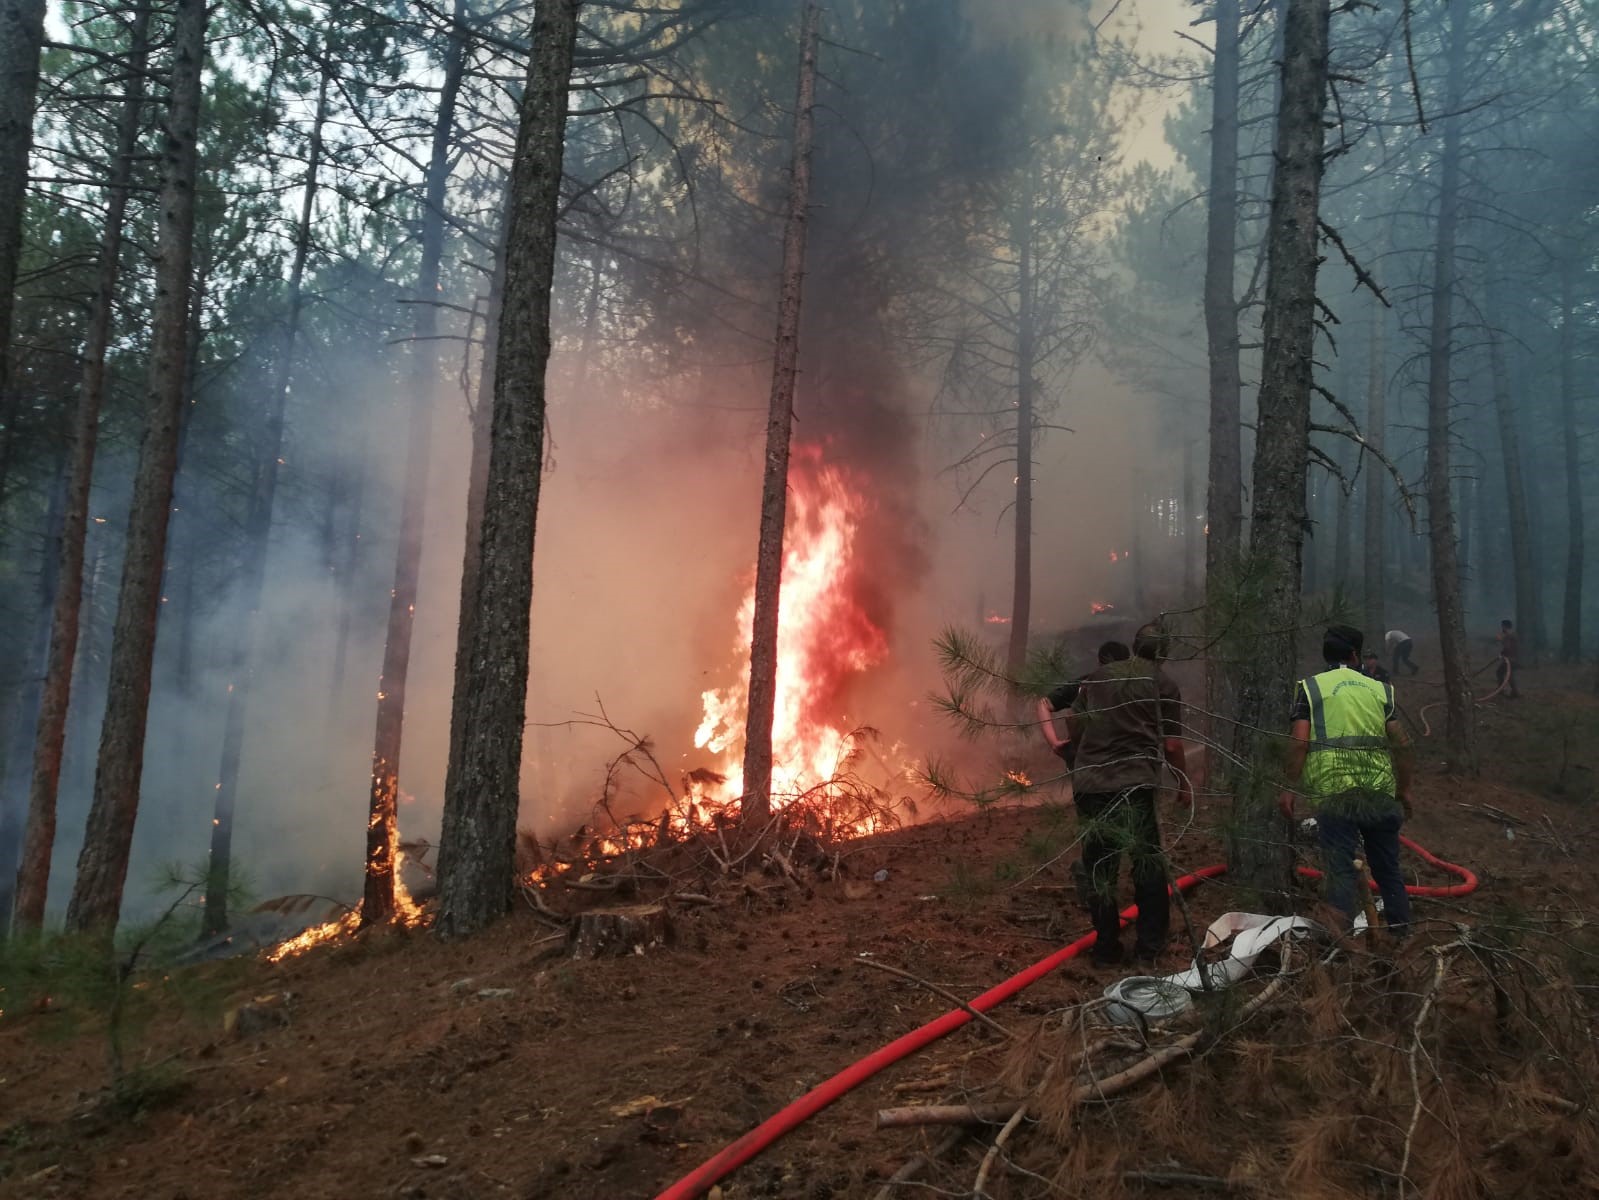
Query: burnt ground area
611	1078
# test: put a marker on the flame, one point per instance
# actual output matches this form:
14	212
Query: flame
825	639
1101	606
1019	777
996	619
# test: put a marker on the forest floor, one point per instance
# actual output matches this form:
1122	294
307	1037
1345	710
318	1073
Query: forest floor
390	1077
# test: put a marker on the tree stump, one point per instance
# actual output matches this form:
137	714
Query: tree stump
612	932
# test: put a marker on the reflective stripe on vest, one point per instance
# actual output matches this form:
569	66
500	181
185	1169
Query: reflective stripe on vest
1348	750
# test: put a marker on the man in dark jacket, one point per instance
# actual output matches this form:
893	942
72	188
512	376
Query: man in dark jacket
1127	721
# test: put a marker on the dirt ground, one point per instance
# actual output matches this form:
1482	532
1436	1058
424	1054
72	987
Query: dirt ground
394	1076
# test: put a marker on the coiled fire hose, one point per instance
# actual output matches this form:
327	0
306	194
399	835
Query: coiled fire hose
1510	670
698	1181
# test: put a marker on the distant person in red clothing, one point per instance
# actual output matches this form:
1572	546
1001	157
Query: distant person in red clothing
1509	660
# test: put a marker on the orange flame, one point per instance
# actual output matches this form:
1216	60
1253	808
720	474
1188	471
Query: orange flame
825	640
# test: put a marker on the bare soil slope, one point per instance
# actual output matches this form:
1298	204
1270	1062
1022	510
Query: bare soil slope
409	1068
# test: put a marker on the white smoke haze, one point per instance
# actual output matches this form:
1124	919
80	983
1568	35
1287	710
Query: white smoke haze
645	546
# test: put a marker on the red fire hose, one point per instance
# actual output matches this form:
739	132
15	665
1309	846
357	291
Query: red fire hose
697	1182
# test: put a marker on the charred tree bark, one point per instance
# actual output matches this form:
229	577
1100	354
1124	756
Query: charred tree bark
1460	713
477	478
1571	613
103	863
1529	603
477	862
377	901
24	721
1021	612
1376	433
774	486
1224	504
21	40
257	535
1259	850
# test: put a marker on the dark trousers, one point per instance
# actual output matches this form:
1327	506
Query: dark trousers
1113	824
1402	655
1341	840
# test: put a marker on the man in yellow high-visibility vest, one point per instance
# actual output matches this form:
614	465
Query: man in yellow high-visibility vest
1351	761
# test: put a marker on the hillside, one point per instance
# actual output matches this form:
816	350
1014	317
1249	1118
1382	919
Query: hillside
393	1065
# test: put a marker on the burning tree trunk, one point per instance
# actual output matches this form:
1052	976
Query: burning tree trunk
785	360
1376	490
257	533
33	878
1529	603
1460	713
1259	852
103	862
21	39
1026	306
1571	614
488	711
1224	504
377	902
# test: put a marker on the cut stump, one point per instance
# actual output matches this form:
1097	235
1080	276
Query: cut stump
612	932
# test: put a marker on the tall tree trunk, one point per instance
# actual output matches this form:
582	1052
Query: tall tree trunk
103	862
377	902
1259	851
1188	529
774	485
1021	611
1571	614
1529	608
477	475
1376	433
21	39
1224	503
1460	718
14	772
257	536
482	787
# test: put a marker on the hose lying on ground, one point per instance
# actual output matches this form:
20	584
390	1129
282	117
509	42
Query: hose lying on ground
697	1182
1510	670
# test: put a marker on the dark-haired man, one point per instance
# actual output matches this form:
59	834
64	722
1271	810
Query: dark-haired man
1127	721
1350	758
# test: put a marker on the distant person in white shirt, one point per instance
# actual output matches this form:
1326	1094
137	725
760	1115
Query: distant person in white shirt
1399	645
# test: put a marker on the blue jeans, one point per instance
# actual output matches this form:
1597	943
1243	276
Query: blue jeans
1341	840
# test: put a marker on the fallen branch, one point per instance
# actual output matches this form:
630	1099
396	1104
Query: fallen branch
1099	1089
1441	967
995	1150
920	1163
933	987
